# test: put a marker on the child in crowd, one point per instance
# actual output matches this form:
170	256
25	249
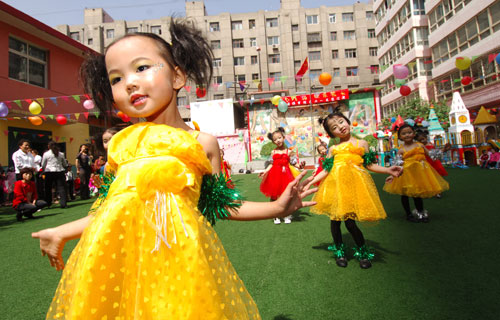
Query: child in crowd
279	173
149	251
422	137
25	196
419	179
70	182
347	191
225	167
322	150
494	161
483	160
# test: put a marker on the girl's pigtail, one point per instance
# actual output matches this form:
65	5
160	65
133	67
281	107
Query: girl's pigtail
321	120
270	136
94	78
281	129
191	51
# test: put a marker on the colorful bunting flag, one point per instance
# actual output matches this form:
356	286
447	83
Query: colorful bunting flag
76	97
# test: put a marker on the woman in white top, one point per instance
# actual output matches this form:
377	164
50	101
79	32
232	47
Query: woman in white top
54	166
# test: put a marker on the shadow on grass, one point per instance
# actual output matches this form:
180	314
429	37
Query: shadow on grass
299	216
282	317
8	219
380	252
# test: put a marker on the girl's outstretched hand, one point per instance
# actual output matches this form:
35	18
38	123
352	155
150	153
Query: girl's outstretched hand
51	244
291	199
389	179
395	171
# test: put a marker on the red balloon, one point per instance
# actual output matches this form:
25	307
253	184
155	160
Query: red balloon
404	90
201	92
61	120
375	134
466	80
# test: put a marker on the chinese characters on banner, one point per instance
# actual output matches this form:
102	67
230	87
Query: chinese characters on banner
322	97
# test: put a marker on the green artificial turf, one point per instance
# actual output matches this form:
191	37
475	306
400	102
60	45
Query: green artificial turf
445	269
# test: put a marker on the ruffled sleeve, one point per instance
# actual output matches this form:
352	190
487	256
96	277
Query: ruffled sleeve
328	164
369	158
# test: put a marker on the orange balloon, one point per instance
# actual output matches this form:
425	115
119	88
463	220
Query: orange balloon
35	120
325	78
354	124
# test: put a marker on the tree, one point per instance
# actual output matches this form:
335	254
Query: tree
420	108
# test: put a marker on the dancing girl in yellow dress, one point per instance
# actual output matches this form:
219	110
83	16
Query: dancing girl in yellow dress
347	191
149	250
419	179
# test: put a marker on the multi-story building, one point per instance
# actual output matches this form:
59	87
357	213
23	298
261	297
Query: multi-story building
402	33
465	28
264	48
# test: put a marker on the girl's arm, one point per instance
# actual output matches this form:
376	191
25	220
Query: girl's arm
52	240
393	171
211	148
319	177
289	202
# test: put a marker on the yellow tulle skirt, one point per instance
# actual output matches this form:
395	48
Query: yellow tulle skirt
419	180
113	274
348	192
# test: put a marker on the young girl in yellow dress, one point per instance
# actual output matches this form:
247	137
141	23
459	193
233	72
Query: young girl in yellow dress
149	251
419	179
347	191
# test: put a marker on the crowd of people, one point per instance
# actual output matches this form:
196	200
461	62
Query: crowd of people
37	181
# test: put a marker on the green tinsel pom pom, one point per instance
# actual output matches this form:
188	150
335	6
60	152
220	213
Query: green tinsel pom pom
363	252
328	164
369	158
338	251
107	179
216	197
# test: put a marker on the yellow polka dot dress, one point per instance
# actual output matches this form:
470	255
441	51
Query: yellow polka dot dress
148	253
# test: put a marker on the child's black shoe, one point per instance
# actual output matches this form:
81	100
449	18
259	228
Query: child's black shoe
365	264
341	262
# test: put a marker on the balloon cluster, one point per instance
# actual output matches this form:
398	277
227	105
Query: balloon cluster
280	103
400	73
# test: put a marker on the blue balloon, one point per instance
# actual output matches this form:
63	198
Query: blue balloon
393	119
282	106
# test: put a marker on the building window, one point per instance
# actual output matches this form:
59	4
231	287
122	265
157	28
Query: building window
347	17
371	33
296	45
374	69
218	79
350	53
373	51
273	40
312	19
314	37
331	17
351	71
75	35
239	61
237	25
418	7
369	15
27	63
335	54
336	72
182	101
156	30
110	33
214	26
132	30
297	64
271	22
240	77
251	24
314	73
90	41
274	58
253	42
254	60
295	27
215	44
217	63
333	36
350	35
314	55
218	96
238	43
275	75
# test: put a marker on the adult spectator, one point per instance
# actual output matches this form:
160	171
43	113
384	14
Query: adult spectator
37	174
23	158
25	196
83	170
54	166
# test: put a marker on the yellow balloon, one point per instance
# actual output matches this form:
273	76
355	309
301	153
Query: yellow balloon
463	63
35	107
275	100
35	120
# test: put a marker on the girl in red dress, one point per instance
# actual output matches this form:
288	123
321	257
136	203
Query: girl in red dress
322	150
422	137
279	173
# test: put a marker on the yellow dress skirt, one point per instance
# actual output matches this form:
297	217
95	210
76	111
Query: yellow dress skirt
148	253
348	192
419	178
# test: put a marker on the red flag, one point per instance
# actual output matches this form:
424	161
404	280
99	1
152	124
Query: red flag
303	69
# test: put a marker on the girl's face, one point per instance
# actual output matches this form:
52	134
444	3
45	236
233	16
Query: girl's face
142	82
106	137
407	134
422	140
278	139
322	150
339	127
